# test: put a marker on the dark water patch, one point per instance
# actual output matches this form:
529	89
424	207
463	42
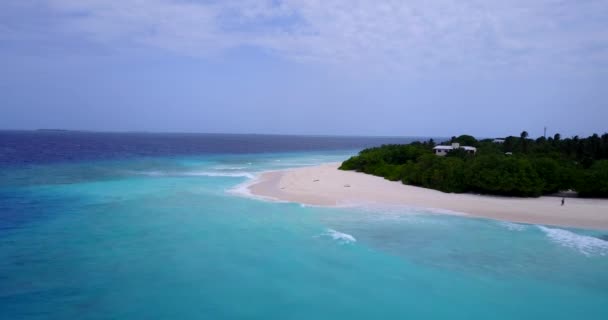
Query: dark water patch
19	148
19	206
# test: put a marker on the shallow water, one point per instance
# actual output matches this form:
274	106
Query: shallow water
164	237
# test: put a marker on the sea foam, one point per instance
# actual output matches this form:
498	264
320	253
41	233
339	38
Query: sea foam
243	190
236	174
342	238
513	226
247	175
586	245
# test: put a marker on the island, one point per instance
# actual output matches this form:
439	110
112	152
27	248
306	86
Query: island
513	166
512	179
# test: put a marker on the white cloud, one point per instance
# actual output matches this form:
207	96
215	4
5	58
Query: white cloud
395	33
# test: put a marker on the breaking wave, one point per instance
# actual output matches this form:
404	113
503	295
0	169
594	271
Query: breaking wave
343	238
241	174
513	226
243	190
247	175
230	167
586	245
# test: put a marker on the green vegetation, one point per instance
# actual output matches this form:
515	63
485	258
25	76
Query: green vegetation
518	167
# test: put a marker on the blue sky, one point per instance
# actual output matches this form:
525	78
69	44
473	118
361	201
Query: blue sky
421	67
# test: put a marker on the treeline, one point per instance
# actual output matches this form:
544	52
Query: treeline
517	167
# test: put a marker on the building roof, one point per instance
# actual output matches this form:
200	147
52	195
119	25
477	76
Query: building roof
443	148
468	148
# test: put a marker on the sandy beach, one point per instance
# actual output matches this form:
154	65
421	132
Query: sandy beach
325	185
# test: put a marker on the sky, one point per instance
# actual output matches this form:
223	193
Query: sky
339	67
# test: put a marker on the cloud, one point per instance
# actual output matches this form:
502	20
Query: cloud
412	35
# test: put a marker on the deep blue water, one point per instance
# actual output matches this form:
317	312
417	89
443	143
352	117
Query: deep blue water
35	147
156	226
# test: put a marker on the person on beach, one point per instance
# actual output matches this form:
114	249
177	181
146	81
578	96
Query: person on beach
563	201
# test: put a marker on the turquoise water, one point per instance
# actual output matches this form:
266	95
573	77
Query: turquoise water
173	238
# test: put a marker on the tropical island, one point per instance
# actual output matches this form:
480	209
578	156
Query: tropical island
511	179
513	166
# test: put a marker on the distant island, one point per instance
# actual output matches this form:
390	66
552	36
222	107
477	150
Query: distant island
511	166
56	130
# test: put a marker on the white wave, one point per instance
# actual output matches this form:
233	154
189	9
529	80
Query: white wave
443	211
395	209
243	190
586	245
248	175
512	226
230	167
342	238
242	174
305	205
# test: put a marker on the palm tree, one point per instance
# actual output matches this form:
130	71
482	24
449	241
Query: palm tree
524	142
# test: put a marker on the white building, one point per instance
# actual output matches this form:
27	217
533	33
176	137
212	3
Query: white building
498	140
443	150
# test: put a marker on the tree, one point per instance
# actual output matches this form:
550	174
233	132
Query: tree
557	137
545	165
524	141
555	175
594	181
509	144
504	176
466	140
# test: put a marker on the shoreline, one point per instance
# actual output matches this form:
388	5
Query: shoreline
325	185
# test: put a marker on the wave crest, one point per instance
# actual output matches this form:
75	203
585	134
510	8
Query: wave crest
343	238
586	245
513	226
238	174
247	175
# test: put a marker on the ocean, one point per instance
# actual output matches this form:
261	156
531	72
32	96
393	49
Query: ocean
160	226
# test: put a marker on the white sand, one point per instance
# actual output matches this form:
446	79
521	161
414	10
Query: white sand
327	186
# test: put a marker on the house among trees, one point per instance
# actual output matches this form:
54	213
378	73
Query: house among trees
444	150
520	167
